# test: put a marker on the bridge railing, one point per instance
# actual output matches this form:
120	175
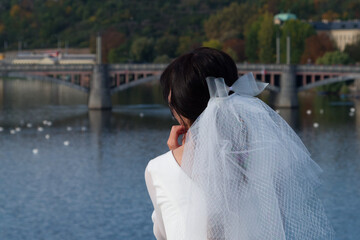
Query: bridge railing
38	68
160	67
138	66
328	68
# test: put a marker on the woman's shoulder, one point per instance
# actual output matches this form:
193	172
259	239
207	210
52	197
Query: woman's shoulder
163	166
163	175
160	162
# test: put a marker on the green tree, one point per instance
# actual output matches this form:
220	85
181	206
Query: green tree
229	22
142	49
213	43
298	31
162	59
188	43
266	36
185	43
332	58
353	50
119	55
252	42
166	45
232	54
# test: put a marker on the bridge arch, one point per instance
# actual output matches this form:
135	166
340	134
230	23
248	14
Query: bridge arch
135	83
328	81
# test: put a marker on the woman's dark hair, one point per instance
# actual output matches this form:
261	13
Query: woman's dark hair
185	79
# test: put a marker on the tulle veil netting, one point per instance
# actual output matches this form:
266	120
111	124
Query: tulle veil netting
250	171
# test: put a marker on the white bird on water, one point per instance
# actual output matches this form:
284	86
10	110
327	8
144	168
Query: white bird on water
1	129
47	123
29	125
17	129
69	128
308	112
40	129
316	125
47	136
66	143
12	131
35	151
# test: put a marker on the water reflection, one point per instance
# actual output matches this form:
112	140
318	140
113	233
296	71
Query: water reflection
20	93
291	117
99	121
1	94
357	114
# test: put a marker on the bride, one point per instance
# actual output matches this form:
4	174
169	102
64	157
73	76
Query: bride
240	172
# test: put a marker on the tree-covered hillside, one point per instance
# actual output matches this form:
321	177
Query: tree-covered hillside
158	30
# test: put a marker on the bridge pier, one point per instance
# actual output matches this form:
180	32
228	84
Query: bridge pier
100	96
357	86
287	97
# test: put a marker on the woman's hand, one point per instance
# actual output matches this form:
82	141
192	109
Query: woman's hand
175	132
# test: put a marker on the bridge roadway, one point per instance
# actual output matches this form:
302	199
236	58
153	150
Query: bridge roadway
286	80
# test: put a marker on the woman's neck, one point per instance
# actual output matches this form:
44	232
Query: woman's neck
178	153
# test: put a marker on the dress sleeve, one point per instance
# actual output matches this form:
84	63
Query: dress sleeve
159	228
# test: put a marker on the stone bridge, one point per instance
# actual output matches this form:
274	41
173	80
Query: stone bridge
103	80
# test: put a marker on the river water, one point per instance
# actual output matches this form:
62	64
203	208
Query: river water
70	173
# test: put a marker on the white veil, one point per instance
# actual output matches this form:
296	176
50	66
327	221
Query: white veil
255	174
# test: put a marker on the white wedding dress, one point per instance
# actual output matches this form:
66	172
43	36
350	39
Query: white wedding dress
244	175
165	181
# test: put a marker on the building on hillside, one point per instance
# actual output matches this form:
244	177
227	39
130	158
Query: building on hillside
283	17
341	32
